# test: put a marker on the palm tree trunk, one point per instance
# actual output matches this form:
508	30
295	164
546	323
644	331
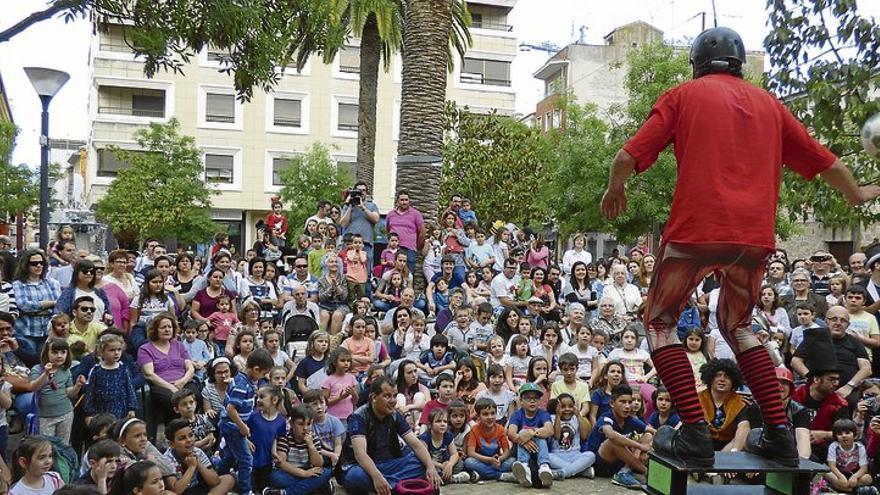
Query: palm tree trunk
369	81
423	99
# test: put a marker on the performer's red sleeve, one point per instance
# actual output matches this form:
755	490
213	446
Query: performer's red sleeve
656	133
873	443
801	152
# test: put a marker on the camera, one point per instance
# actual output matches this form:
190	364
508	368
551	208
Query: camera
354	197
873	406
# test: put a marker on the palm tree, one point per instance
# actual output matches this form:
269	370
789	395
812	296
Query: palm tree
380	26
430	28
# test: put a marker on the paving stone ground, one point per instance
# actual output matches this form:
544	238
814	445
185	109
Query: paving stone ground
580	486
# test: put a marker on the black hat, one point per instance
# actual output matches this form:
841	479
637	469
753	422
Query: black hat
872	255
820	357
715	49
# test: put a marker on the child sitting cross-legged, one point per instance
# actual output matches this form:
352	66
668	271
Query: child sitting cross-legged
488	451
529	428
847	459
618	455
194	473
570	431
441	446
299	466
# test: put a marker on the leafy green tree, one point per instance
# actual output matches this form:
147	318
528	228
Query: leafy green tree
20	184
824	57
163	191
307	179
497	162
258	35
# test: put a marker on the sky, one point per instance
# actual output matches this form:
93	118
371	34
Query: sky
63	46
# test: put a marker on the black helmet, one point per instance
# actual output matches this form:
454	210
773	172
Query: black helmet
715	49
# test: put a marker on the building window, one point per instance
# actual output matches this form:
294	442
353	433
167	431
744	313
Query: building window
488	72
220	108
348	166
350	60
216	55
557	118
112	39
287	113
219	169
109	164
278	164
132	102
348	117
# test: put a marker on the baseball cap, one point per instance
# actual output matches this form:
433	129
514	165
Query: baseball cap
530	387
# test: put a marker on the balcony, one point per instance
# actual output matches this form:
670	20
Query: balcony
494	26
131	102
475	78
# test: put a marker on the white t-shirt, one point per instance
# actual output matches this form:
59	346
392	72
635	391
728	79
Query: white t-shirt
585	359
633	361
51	482
501	287
502	401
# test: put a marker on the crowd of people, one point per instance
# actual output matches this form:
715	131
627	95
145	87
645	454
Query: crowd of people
517	362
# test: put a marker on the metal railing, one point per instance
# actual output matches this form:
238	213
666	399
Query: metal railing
347	127
475	78
350	69
286	122
132	112
495	26
220	118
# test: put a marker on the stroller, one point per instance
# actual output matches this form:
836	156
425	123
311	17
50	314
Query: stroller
297	330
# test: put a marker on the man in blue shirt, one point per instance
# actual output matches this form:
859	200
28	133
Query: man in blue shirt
360	216
372	458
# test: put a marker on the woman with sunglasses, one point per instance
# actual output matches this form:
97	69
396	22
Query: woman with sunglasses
82	283
35	295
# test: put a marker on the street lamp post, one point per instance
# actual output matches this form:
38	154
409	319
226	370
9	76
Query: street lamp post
47	82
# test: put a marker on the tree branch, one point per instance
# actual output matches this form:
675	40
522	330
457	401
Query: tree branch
56	7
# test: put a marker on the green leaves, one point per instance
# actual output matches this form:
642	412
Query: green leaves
308	179
823	58
20	185
497	162
162	193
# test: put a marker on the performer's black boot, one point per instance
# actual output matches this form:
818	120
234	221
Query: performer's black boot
775	443
691	444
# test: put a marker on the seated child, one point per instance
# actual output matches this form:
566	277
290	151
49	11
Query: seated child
184	403
530	427
572	385
103	457
445	394
664	413
617	455
570	430
439	360
327	430
847	459
441	446
194	473
487	449
198	350
498	393
459	423
299	466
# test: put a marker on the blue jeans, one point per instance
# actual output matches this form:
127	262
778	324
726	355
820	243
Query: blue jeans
571	463
410	258
488	471
543	455
298	486
356	481
237	453
29	349
383	306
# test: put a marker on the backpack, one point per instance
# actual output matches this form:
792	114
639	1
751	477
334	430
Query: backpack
64	459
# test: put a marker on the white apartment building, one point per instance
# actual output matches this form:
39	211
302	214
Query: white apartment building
244	144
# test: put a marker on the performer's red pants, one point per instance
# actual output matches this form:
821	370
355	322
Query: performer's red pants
681	267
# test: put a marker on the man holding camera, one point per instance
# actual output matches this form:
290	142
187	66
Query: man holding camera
359	216
821	273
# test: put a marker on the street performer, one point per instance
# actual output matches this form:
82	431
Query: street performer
730	140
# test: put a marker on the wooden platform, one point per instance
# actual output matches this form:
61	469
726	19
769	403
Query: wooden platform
667	476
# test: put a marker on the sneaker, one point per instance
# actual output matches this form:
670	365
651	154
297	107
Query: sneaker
507	478
332	486
273	491
546	476
866	490
475	477
522	473
626	479
558	474
588	473
462	477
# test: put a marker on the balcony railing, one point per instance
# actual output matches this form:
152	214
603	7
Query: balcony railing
220	118
286	122
474	78
132	112
350	69
218	175
494	26
347	127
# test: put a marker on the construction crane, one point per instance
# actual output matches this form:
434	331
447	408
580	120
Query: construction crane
543	46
